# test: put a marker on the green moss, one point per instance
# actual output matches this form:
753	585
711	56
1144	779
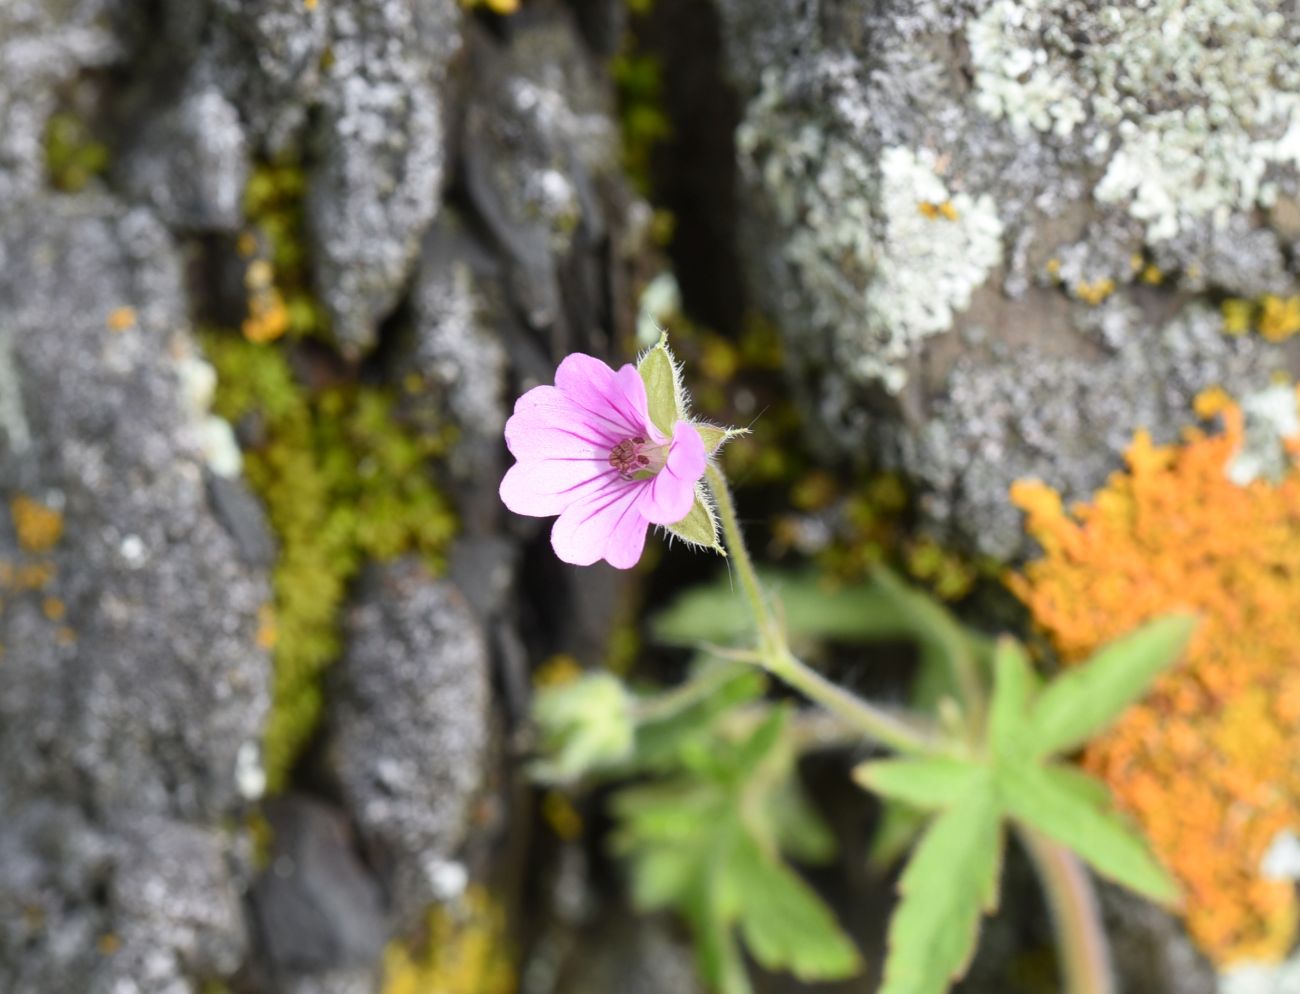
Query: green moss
343	481
280	300
643	119
72	155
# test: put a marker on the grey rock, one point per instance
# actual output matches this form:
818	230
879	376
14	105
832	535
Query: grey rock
631	957
410	727
455	362
191	162
171	888
132	674
42	45
376	178
318	910
267	55
1150	948
1007	414
538	137
937	195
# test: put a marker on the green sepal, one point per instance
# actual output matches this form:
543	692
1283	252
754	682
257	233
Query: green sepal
714	438
700	526
663	387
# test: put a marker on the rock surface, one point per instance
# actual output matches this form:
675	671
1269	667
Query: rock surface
410	728
132	673
988	229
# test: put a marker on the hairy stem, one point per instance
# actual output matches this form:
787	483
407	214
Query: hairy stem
1080	937
775	655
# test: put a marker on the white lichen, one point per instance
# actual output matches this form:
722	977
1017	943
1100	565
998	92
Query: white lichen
886	251
213	437
1187	106
1271	418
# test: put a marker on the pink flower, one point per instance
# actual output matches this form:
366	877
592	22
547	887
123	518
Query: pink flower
588	451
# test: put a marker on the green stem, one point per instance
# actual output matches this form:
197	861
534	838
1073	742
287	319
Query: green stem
777	659
1080	937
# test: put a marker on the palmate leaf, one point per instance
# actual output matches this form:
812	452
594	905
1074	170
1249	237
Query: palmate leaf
784	923
949	881
929	784
1015	686
1088	697
705	844
714	612
1065	807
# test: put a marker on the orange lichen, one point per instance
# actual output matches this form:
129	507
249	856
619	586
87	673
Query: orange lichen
39	527
121	318
1206	762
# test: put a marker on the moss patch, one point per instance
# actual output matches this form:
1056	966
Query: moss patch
343	481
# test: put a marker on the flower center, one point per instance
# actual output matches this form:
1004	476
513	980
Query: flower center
634	455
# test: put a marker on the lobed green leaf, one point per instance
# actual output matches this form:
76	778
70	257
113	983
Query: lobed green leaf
928	784
950	880
1066	809
1086	698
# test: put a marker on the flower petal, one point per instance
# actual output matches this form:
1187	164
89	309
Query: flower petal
668	498
618	399
606	525
540	488
548	425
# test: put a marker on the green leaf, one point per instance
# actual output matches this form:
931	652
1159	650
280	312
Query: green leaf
707	844
812	610
899	826
951	877
662	387
1088	697
700	526
784	923
923	783
687	714
1014	686
797	827
1055	804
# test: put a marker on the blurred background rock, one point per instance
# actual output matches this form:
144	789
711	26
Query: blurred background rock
272	271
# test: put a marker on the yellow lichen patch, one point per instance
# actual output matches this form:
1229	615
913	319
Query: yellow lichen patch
1152	275
1095	292
39	527
1275	318
1206	762
466	951
121	318
934	211
1053	267
53	608
1279	317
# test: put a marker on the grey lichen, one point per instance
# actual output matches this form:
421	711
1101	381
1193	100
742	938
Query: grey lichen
884	250
1188	107
1009	415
